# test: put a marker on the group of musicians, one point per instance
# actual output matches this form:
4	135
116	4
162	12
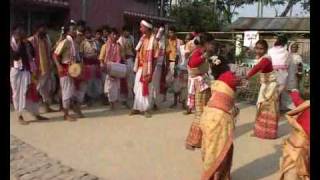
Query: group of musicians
109	64
105	62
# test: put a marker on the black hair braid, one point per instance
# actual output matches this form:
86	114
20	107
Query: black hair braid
217	70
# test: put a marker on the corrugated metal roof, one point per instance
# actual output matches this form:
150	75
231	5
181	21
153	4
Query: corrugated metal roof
148	16
271	24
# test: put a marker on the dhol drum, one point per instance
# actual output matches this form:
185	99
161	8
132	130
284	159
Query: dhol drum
75	70
117	70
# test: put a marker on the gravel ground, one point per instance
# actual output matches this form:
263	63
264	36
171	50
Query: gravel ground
115	146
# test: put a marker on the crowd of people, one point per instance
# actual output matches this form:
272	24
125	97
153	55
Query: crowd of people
111	66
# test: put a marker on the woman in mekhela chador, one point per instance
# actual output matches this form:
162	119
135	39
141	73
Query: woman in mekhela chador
217	122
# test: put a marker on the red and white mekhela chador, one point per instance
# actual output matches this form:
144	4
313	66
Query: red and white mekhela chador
144	67
110	52
266	125
198	95
217	125
295	161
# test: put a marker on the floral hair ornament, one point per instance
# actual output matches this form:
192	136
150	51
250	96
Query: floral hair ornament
215	60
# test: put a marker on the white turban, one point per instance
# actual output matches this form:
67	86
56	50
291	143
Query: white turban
146	24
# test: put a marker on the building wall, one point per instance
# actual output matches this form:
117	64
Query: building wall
109	12
28	14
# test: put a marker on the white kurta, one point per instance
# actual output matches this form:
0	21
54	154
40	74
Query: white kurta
141	103
280	61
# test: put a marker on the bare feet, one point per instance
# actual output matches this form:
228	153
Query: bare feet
147	114
189	147
184	106
69	118
155	108
111	107
48	109
80	114
22	121
41	118
125	104
134	112
77	110
187	112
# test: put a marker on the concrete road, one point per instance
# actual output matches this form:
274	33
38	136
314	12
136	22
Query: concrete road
115	146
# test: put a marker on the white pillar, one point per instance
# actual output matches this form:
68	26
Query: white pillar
238	44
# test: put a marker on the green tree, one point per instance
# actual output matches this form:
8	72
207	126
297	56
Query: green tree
195	15
288	3
208	14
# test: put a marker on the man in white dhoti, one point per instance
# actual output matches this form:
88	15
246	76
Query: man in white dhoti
295	67
65	55
42	47
173	56
158	77
24	93
91	70
295	70
280	62
111	53
144	65
127	51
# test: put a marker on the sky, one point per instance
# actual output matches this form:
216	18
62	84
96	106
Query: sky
251	11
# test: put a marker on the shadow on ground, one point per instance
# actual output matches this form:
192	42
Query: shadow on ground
259	168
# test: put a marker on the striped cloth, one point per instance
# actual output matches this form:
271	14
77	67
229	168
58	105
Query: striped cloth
197	83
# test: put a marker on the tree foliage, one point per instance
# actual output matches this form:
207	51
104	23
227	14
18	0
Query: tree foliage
288	4
205	13
195	15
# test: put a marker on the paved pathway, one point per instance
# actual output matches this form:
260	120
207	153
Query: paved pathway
27	163
115	146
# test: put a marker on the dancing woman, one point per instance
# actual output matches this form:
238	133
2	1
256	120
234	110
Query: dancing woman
199	89
218	122
296	148
266	125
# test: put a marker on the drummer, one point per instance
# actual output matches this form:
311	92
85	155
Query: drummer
127	53
110	52
91	75
64	56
